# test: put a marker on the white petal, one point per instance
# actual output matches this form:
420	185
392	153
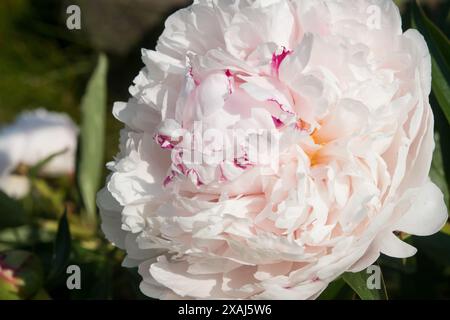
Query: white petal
174	276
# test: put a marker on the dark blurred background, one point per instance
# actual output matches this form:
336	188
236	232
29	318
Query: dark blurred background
43	64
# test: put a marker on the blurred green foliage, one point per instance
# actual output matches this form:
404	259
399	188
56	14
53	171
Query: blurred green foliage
42	64
37	68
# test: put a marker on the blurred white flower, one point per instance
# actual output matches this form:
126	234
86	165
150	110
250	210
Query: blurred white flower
33	137
15	186
348	97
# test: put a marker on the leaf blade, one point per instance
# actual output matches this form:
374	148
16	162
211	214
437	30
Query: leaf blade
439	46
62	248
333	290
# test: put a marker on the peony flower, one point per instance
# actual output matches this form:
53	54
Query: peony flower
33	137
336	92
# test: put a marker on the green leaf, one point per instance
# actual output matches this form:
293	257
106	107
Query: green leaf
439	46
21	275
11	212
437	173
358	282
62	249
36	169
333	290
92	138
439	43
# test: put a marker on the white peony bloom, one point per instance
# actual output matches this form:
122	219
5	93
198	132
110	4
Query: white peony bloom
205	212
33	137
